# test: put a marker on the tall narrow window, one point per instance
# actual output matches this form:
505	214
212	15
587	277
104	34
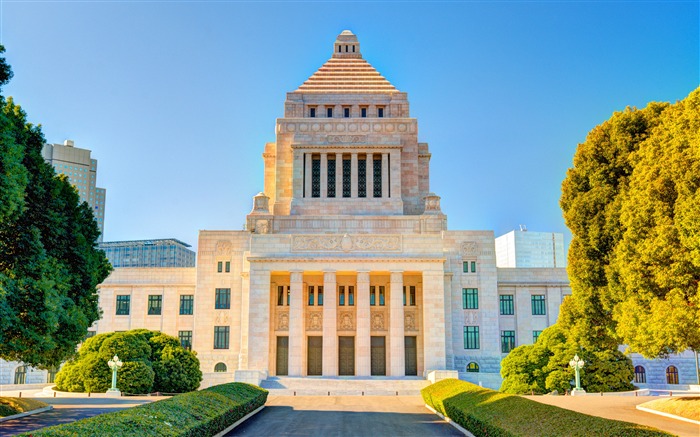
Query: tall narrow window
316	176
346	112
219	267
538	305
221	335
671	375
473	265
640	375
362	178
280	295
412	295
377	169
155	304
363	112
347	184
228	267
312	112
185	339
319	293
470	298
372	295
507	341
186	304
222	299
351	295
506	305
123	304
381	295
341	295
471	337
311	295
404	295
330	171
380	112
329	112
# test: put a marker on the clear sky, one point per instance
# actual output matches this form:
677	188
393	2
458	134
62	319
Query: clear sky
177	99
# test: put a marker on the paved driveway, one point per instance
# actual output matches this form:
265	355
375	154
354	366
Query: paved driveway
345	416
67	409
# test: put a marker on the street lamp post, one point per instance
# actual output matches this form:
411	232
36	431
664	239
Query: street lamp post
114	364
577	363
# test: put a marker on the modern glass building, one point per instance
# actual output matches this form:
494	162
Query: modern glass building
168	252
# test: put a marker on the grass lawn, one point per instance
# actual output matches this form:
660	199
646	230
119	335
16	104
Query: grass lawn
684	407
10	406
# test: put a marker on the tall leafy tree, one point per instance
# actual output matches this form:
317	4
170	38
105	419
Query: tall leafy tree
49	262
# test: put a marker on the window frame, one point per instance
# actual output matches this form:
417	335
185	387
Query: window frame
222	299
185	339
506	305
640	377
472	367
153	309
472	340
188	300
470	298
507	339
123	305
221	337
538	302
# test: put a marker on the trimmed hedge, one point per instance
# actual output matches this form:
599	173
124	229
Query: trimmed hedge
200	413
11	406
485	412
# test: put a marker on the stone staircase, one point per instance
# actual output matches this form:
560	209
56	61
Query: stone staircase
344	386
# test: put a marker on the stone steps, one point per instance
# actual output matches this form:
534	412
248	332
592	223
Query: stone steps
344	386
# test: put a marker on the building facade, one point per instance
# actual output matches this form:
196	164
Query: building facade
81	171
169	252
522	248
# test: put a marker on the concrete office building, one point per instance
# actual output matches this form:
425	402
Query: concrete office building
81	171
168	252
523	248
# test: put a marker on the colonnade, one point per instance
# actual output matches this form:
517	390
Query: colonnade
318	184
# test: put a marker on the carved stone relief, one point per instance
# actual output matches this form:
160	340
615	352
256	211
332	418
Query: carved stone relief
223	247
471	317
469	248
315	321
262	227
346	243
410	323
283	322
377	321
346	321
221	318
339	139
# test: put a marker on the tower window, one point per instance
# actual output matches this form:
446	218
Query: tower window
346	112
353	49
331	177
377	168
380	112
312	112
363	112
362	178
316	177
346	177
329	112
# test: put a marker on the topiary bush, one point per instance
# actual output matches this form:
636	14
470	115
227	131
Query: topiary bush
153	361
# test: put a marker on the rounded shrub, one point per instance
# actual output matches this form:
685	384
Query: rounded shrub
135	377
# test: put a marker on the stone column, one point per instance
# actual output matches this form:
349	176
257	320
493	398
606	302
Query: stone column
307	175
353	176
397	356
296	323
370	175
434	351
338	175
363	363
330	333
257	343
395	172
324	175
385	175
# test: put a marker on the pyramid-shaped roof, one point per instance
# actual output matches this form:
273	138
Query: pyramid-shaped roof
346	72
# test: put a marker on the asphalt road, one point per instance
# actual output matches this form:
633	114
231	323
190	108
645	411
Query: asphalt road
68	410
345	416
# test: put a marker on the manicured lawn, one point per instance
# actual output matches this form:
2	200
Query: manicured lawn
10	406
684	407
485	412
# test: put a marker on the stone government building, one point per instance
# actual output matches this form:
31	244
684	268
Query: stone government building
347	267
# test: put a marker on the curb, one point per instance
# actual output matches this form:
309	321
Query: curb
669	415
448	420
26	413
246	417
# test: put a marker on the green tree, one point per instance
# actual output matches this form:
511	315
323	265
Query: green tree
49	262
153	361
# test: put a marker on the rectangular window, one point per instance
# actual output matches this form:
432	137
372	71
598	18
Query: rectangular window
381	295
228	266
506	304
470	298
411	295
280	295
351	295
346	112
312	112
362	178
316	176
221	334
471	337
404	295
377	168
311	295
329	112
380	112
186	304
185	339
331	177
155	304
539	307
123	304
507	341
535	336
319	293
347	168
363	112
341	295
223	299
219	267
473	265
465	267
372	295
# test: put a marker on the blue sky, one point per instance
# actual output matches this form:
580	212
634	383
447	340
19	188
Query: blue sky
177	99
